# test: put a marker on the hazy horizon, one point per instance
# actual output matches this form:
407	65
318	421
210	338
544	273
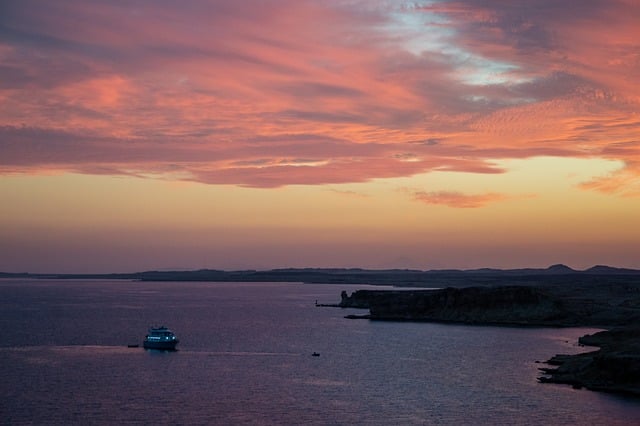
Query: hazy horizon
433	134
177	269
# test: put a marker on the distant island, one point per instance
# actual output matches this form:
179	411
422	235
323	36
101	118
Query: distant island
558	296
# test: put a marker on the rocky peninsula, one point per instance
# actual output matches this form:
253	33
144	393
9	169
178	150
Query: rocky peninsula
613	305
613	368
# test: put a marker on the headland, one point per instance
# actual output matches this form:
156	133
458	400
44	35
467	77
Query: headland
611	303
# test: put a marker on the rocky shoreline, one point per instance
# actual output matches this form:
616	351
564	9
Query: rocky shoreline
615	367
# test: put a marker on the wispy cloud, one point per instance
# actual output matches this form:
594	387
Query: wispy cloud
274	93
458	199
624	182
349	193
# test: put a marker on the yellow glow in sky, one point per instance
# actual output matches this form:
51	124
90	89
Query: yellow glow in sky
338	225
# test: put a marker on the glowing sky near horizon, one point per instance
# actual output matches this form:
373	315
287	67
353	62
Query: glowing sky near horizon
261	134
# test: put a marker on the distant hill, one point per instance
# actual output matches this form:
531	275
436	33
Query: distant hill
555	274
602	269
559	269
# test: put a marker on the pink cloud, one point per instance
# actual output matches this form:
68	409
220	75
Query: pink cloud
275	93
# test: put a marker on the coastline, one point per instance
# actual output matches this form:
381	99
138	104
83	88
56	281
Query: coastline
614	367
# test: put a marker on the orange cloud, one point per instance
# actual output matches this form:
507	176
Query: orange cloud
624	182
458	199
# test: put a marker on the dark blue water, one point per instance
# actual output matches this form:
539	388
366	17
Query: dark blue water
245	358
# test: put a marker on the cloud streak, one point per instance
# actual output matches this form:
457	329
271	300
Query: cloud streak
458	199
266	94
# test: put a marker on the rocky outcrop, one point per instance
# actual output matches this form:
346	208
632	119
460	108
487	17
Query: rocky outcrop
360	299
603	306
494	305
613	368
509	305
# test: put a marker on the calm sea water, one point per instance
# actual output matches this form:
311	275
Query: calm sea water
245	358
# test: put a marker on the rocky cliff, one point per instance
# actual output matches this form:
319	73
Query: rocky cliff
613	368
509	305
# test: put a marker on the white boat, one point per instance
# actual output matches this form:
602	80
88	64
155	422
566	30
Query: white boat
160	338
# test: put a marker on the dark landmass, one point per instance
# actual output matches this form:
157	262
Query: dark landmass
570	305
609	304
613	368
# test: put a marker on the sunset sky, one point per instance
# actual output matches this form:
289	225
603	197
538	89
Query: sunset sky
157	134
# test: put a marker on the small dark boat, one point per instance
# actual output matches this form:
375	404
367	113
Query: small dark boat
160	338
315	354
